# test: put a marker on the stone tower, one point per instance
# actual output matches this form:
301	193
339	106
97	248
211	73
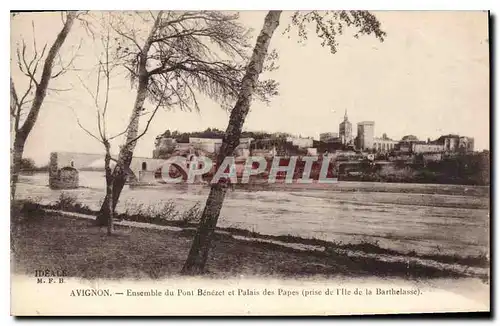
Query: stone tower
366	131
345	130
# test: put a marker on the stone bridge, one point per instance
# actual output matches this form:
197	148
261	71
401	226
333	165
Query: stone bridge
142	169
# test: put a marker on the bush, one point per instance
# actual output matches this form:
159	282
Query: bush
391	174
27	164
66	201
192	215
142	212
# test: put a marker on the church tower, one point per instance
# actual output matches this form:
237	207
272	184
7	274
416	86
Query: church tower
345	130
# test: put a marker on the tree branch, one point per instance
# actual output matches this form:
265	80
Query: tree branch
147	124
65	69
85	129
41	88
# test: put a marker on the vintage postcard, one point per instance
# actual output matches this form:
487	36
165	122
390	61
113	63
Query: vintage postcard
183	163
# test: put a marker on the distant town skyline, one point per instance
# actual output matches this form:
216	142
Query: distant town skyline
429	78
318	136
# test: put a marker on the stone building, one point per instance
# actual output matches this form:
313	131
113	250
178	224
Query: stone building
411	144
451	143
209	145
329	137
426	148
405	145
456	143
466	144
345	130
384	144
365	137
164	147
62	172
300	142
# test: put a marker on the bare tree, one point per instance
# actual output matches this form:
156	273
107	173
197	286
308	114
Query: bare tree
181	55
101	101
25	106
328	26
104	70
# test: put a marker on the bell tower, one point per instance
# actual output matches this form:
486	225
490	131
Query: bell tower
345	130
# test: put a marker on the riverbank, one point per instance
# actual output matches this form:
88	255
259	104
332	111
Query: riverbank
341	186
39	233
93	179
426	223
75	246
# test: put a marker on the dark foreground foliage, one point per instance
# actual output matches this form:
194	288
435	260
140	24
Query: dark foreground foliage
42	240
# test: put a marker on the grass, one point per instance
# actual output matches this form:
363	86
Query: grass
364	246
167	215
48	240
164	213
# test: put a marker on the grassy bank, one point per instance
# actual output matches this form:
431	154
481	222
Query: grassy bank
167	215
41	241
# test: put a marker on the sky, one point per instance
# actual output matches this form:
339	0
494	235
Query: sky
428	78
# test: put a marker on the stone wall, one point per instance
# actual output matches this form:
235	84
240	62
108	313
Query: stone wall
62	178
427	148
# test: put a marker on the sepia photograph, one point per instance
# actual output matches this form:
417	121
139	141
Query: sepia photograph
296	163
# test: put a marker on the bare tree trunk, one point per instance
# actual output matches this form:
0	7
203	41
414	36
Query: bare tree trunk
125	156
109	186
197	258
111	209
17	156
127	151
41	91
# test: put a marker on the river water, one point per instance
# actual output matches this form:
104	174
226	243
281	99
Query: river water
456	223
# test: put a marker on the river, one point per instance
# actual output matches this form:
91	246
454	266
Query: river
452	223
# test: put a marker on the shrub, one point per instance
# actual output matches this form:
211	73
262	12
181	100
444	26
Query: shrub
192	215
140	211
66	201
27	164
391	174
168	211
